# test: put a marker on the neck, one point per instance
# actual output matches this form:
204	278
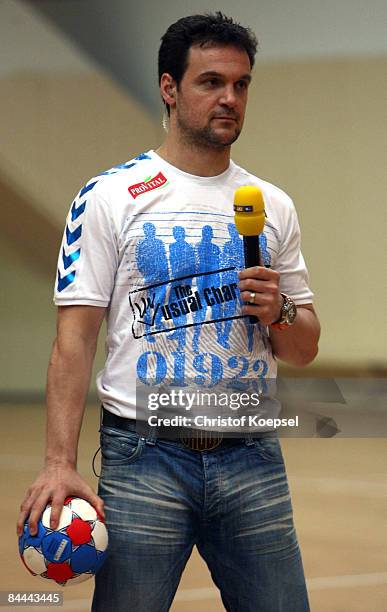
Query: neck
199	161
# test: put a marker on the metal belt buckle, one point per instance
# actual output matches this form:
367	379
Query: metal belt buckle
201	440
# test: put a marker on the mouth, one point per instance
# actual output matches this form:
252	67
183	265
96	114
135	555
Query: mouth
225	118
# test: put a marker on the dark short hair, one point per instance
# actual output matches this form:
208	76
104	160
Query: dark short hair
208	29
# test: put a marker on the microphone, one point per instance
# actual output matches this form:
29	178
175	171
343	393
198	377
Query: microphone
249	209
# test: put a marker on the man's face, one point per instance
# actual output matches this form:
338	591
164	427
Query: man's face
212	95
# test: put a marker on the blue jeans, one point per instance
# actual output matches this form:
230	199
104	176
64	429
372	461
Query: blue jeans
233	503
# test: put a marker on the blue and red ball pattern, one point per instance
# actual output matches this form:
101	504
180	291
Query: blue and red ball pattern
73	552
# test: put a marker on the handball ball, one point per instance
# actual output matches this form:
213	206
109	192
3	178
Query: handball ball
71	553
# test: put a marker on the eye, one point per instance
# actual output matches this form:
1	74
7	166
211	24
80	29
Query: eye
242	85
211	82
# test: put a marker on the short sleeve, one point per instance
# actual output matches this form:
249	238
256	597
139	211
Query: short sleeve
290	263
88	256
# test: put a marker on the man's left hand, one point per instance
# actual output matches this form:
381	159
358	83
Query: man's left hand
260	288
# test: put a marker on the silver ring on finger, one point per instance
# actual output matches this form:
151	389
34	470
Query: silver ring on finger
252	297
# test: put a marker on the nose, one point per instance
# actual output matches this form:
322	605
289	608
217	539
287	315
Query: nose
228	97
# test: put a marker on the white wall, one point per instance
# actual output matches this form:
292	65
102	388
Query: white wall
125	36
29	43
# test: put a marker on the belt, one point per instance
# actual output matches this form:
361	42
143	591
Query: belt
195	439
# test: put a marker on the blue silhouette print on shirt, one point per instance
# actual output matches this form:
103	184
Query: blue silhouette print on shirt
182	264
263	251
208	260
152	262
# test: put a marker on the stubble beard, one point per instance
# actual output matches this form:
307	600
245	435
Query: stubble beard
205	137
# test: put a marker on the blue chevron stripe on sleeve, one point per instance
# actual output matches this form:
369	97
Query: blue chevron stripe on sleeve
76	212
69	259
65	281
142	156
73	236
124	166
116	169
87	188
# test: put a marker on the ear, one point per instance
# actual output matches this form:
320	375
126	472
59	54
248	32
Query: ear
168	89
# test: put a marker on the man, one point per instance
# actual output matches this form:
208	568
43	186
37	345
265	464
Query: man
162	496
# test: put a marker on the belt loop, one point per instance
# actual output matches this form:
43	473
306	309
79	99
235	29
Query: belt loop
146	431
100	418
249	441
152	435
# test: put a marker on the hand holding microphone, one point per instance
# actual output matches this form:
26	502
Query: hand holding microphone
259	286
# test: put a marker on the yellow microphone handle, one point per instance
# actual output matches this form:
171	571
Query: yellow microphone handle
249	209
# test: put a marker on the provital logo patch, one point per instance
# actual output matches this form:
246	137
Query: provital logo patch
153	183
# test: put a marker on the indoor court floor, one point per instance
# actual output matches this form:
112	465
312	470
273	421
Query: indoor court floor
339	492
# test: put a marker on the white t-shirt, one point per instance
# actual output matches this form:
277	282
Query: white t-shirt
159	249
